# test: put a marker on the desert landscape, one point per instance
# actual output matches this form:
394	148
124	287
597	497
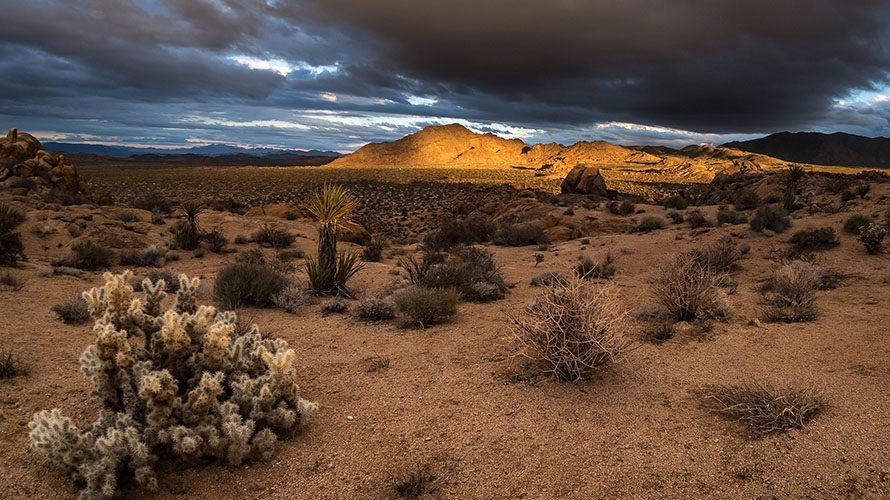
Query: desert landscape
339	249
459	395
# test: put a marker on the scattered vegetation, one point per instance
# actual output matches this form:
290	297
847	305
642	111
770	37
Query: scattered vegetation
427	306
746	199
247	284
274	237
790	294
216	240
854	224
587	269
676	202
10	282
520	235
872	238
376	309
689	290
11	248
815	239
154	202
167	382
772	217
763	409
152	256
548	279
717	257
73	311
572	329
470	270
453	232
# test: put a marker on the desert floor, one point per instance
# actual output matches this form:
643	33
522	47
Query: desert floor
460	398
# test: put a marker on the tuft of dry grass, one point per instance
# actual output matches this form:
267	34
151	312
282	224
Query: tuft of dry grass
790	294
10	365
690	290
11	282
417	482
377	364
73	311
573	328
764	409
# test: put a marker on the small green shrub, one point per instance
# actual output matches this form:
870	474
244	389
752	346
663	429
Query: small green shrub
549	278
772	217
854	224
87	255
471	271
746	199
872	238
453	232
427	306
375	309
676	202
589	270
815	239
520	235
730	216
272	236
73	311
650	223
244	284
373	251
624	208
696	219
11	248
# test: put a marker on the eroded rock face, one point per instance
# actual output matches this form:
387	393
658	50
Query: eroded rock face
584	179
27	169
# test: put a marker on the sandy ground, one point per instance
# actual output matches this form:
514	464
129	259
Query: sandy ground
635	430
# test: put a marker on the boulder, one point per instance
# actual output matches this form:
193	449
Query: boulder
585	179
26	168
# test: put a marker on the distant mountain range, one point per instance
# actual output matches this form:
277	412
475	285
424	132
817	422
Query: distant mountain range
212	150
838	149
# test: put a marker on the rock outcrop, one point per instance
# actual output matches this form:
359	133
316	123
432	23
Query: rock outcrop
27	169
585	179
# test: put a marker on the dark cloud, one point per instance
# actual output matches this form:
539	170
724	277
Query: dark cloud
632	71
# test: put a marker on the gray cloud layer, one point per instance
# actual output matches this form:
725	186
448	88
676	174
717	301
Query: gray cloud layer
162	71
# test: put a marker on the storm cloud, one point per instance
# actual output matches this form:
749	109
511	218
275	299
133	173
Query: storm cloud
334	74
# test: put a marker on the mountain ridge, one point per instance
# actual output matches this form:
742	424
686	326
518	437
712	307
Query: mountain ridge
211	150
817	148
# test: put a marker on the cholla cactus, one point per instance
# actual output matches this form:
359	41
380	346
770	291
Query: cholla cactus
178	383
872	238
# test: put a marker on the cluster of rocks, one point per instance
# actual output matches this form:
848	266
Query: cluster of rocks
585	179
27	169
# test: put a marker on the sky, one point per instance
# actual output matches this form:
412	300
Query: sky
336	74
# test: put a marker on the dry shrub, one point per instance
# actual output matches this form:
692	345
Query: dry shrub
573	328
623	208
375	309
427	306
373	251
73	311
520	235
763	409
790	294
589	270
292	297
730	216
855	223
690	290
471	271
549	278
696	219
720	256
872	238
473	229
11	282
815	239
87	255
272	236
336	305
10	365
245	284
153	256
420	481
650	223
772	217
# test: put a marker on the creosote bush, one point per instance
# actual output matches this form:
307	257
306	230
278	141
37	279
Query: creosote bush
572	329
470	270
177	384
427	306
589	270
815	239
854	224
623	208
763	409
73	311
87	255
274	237
520	235
720	256
696	219
746	199
11	248
152	256
772	217
677	202
690	290
675	217
246	284
10	282
790	294
872	238
730	216
650	223
453	232
376	309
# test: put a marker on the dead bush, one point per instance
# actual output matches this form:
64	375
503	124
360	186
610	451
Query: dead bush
791	293
690	290
10	365
589	270
572	329
763	409
73	311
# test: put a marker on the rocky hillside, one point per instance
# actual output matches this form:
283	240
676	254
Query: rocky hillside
837	149
456	146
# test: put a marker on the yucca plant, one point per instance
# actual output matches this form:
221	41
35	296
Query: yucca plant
329	272
333	279
795	174
187	234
